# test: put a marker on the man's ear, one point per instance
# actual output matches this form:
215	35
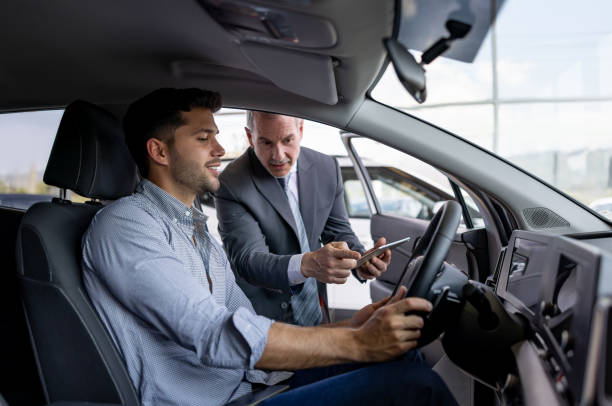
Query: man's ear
158	151
301	128
249	136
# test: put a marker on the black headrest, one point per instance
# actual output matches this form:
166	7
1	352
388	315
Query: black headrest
89	155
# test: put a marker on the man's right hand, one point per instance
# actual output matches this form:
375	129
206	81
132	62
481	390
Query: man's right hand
331	263
386	334
390	332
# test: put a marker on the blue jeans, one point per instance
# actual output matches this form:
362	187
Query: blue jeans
405	381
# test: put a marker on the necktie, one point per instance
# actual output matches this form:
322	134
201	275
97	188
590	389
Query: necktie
305	305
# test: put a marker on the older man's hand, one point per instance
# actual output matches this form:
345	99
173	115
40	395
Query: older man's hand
375	266
331	263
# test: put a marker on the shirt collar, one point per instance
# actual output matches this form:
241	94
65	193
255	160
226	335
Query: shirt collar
292	172
170	205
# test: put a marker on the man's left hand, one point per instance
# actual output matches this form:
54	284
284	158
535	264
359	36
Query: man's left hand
366	312
376	265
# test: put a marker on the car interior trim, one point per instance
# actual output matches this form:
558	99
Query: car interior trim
601	315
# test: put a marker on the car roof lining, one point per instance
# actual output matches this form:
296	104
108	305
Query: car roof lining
114	52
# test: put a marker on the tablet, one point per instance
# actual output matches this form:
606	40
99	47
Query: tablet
380	250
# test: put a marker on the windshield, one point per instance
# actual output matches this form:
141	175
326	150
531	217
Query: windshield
538	94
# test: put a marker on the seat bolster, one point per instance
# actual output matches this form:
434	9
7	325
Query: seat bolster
39	232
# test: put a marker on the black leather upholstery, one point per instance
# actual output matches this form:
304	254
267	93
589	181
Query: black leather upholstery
19	382
76	357
89	155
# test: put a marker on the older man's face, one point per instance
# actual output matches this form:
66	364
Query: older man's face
276	141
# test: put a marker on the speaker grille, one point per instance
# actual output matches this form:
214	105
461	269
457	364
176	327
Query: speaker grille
541	218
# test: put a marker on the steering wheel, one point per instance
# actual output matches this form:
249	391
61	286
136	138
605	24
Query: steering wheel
433	247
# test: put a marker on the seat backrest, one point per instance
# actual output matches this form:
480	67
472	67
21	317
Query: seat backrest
76	357
19	382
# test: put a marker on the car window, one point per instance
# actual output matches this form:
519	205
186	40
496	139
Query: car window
27	141
394	200
405	186
398	195
396	188
355	197
476	217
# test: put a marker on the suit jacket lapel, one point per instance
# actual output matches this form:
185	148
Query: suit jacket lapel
306	186
271	190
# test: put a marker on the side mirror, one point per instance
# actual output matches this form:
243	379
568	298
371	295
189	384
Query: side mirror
410	73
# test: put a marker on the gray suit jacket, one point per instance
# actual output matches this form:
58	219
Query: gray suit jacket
259	232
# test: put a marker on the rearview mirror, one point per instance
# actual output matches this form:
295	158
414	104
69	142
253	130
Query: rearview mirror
409	71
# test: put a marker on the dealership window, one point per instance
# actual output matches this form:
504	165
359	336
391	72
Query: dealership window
539	94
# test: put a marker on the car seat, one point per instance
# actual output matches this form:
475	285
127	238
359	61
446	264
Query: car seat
76	358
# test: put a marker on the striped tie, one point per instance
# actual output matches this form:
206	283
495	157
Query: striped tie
305	305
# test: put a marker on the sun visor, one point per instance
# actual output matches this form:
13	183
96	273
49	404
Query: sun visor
423	22
304	74
272	25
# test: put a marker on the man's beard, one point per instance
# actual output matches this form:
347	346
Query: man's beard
192	175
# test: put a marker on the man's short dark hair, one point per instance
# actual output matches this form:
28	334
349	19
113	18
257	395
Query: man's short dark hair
158	114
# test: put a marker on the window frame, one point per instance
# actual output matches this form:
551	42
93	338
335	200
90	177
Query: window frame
366	181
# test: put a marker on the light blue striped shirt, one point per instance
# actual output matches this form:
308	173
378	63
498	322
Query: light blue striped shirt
145	263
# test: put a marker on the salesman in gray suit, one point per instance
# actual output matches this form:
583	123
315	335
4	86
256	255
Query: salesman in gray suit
277	204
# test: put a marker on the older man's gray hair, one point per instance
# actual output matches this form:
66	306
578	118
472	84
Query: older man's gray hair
250	118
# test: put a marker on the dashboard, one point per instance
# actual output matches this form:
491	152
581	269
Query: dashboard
562	288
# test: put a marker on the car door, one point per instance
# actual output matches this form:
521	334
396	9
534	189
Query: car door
401	204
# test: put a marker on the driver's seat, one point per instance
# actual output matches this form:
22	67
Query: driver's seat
76	358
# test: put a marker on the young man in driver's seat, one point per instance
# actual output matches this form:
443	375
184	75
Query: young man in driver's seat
188	334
